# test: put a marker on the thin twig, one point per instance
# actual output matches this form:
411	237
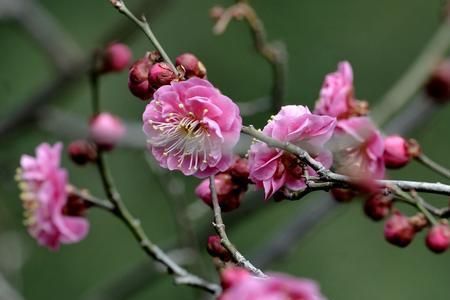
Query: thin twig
429	163
145	27
273	52
86	196
219	226
415	76
336	179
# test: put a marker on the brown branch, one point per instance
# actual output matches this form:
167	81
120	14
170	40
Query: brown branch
339	180
273	52
219	226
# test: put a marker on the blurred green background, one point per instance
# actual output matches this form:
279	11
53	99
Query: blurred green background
346	252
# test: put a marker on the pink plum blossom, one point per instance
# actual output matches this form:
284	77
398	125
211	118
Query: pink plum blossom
44	194
272	168
336	96
358	148
192	127
274	287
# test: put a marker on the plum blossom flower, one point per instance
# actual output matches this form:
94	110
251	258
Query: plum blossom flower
272	168
192	127
336	96
275	287
45	198
358	148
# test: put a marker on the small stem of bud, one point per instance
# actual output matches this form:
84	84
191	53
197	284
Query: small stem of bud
145	27
432	165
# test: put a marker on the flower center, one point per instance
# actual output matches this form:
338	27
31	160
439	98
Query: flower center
183	136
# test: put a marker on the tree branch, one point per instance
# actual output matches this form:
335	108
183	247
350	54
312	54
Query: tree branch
219	226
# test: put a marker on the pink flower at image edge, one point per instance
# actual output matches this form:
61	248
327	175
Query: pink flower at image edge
44	195
192	127
238	284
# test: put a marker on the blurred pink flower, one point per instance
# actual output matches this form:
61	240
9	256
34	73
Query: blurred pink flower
272	168
44	195
358	148
336	96
275	287
192	127
106	130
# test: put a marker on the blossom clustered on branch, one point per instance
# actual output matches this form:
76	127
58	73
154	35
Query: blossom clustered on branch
192	127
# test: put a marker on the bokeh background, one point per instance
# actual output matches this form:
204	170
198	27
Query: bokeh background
345	251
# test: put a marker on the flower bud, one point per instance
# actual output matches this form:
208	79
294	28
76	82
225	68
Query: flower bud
398	230
216	249
343	195
216	12
239	169
191	65
229	194
438	238
106	130
161	74
138	79
116	57
75	206
378	206
82	151
396	154
438	86
233	275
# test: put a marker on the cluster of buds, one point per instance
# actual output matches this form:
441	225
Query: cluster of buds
400	230
149	73
231	186
105	131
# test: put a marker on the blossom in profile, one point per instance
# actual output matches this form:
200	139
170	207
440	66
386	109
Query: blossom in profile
336	95
272	168
240	285
192	127
358	149
45	199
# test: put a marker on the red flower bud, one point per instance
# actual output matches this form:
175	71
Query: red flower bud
75	206
398	230
116	57
106	130
216	249
82	151
438	238
438	86
138	79
161	74
239	169
343	195
191	65
377	206
396	154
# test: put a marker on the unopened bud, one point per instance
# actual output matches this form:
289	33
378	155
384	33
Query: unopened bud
116	57
138	79
438	86
191	65
398	230
438	238
82	151
106	130
343	195
161	74
378	206
396	154
216	12
216	249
